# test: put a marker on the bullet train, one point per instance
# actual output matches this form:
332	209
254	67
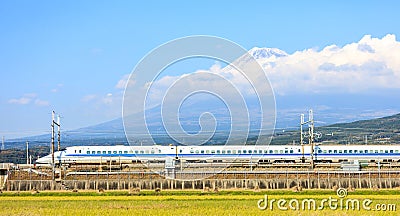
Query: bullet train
229	153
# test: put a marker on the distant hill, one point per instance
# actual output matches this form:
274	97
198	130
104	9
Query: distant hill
379	130
385	123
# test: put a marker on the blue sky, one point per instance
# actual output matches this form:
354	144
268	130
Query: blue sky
69	56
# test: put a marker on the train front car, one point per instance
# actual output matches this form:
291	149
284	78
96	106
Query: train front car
48	158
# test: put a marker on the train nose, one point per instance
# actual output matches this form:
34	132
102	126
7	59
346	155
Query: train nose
42	160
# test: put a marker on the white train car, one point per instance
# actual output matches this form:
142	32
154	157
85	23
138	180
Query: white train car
271	153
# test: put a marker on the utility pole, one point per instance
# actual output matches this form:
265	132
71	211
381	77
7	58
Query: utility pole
301	137
310	123
27	152
59	133
52	143
53	122
311	132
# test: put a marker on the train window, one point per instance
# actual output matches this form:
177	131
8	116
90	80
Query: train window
180	151
98	152
397	151
270	151
355	151
335	151
391	151
244	151
229	151
152	151
239	151
250	151
386	151
125	152
109	152
219	152
350	151
80	151
212	151
202	151
104	152
286	151
330	151
324	151
75	150
197	151
136	152
223	151
88	152
345	151
191	151
376	151
276	151
319	151
114	152
208	151
298	150
340	151
291	151
265	151
159	151
260	151
147	151
141	152
281	151
381	151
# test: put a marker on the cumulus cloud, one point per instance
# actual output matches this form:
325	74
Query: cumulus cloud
124	80
28	99
366	65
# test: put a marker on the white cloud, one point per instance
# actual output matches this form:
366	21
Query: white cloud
367	65
108	99
22	100
28	99
39	102
123	81
57	88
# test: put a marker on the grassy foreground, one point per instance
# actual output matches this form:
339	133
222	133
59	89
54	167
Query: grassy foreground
185	203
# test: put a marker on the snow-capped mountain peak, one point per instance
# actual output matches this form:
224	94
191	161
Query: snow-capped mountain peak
260	53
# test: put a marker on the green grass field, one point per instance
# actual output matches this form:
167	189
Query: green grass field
186	203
